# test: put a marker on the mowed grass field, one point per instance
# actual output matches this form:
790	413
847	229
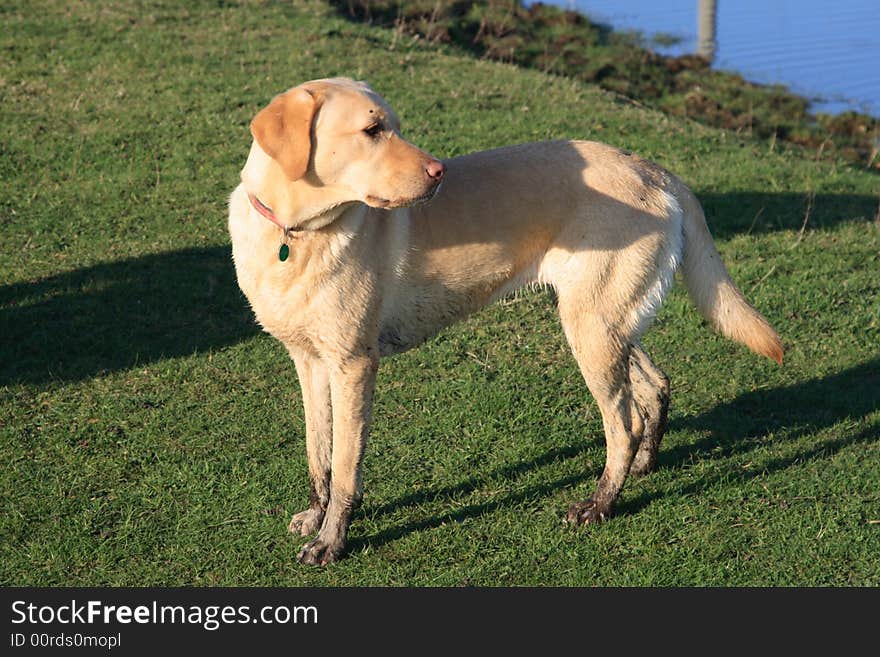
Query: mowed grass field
152	435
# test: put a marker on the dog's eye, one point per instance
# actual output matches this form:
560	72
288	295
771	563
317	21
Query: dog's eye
373	130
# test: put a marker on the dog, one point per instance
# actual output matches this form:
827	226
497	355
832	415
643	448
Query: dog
351	244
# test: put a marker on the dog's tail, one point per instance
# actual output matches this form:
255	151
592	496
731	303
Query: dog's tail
713	291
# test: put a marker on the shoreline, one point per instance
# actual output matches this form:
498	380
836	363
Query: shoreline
570	44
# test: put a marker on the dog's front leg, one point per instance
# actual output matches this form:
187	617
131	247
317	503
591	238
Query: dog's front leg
314	380
351	390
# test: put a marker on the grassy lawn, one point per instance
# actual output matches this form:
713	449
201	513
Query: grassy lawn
151	435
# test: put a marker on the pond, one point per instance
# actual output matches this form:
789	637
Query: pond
827	51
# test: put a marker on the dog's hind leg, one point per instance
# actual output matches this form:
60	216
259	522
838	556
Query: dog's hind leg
314	380
650	388
603	357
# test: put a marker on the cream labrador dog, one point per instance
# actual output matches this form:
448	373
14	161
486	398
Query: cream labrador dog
352	244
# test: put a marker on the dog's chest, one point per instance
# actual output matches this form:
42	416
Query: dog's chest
273	293
273	299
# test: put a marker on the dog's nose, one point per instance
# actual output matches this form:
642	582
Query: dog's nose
435	169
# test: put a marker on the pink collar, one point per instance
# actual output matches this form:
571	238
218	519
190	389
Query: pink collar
264	210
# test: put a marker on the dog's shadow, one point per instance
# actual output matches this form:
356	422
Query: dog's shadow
118	315
791	411
507	473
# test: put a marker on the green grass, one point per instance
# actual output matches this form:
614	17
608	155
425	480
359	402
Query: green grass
152	435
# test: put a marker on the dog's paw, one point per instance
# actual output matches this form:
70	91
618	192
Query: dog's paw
586	513
306	522
318	553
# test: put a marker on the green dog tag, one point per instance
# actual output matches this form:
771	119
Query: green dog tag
283	252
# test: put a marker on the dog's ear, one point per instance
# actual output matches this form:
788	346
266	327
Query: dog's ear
283	130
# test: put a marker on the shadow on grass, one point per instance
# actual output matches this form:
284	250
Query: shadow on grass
801	409
509	473
734	213
118	315
793	412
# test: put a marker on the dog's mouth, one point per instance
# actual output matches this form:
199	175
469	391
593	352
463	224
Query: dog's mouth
388	204
376	202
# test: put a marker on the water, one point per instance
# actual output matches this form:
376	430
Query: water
827	51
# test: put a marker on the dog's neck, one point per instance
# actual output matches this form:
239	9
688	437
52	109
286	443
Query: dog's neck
290	205
266	211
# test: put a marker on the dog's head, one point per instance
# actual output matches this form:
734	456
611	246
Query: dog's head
327	143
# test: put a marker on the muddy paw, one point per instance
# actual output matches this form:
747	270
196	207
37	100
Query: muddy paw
306	522
586	512
318	553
